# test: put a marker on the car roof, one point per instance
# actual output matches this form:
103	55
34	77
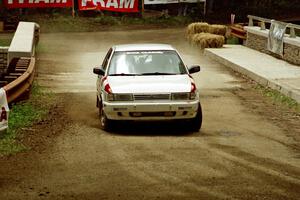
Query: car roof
142	47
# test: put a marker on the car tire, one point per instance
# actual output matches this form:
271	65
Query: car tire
105	123
196	123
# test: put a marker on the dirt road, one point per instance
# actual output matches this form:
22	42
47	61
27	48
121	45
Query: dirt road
247	147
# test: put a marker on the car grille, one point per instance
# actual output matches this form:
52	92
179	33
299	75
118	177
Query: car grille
140	97
152	114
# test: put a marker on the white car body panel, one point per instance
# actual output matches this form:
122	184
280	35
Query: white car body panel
183	109
150	84
146	47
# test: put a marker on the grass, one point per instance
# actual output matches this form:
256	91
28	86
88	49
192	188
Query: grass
66	23
4	42
5	39
170	21
278	98
41	48
24	114
232	40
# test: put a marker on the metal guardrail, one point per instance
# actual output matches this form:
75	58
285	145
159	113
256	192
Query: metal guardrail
263	22
19	74
21	85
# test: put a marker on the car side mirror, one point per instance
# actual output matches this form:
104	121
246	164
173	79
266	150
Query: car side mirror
99	71
194	69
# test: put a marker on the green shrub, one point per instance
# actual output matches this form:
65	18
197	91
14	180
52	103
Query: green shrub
106	20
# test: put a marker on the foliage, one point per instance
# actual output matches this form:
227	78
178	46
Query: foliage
66	23
232	40
168	21
4	42
107	20
264	8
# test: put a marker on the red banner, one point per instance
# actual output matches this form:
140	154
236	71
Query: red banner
37	3
111	5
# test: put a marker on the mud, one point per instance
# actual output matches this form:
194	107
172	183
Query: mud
247	148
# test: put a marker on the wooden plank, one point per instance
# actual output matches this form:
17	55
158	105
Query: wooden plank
10	78
238	36
238	29
20	70
3	83
15	74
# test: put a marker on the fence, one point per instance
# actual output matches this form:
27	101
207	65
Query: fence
257	38
263	21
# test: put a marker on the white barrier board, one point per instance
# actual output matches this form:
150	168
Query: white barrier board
4	110
22	44
275	39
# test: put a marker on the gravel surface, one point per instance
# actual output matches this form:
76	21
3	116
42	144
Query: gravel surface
247	148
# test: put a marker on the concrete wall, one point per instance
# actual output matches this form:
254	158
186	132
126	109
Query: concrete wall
258	39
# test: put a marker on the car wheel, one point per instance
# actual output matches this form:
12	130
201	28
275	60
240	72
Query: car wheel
195	123
106	124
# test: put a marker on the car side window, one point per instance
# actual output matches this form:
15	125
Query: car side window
105	61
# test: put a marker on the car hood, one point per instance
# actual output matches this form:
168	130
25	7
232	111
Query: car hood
150	84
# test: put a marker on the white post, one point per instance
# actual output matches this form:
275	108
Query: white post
292	32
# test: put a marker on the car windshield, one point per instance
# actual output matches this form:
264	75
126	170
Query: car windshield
146	63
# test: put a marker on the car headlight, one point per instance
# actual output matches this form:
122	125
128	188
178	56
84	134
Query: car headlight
184	96
123	97
193	95
109	97
119	97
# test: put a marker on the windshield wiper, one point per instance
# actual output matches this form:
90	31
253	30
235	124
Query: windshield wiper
157	73
123	74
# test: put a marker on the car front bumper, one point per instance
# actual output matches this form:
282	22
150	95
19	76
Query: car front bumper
151	110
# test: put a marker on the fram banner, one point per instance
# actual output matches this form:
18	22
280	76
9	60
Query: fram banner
4	110
110	5
37	3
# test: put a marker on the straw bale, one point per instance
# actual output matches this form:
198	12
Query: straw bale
208	40
197	27
217	29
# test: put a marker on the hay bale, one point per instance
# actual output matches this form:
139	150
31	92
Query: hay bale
197	39
208	40
197	27
217	29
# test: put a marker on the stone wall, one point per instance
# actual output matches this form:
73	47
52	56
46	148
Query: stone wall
291	53
258	40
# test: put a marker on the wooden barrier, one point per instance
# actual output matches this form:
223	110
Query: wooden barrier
238	31
17	79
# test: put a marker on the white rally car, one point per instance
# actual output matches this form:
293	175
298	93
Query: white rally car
147	82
